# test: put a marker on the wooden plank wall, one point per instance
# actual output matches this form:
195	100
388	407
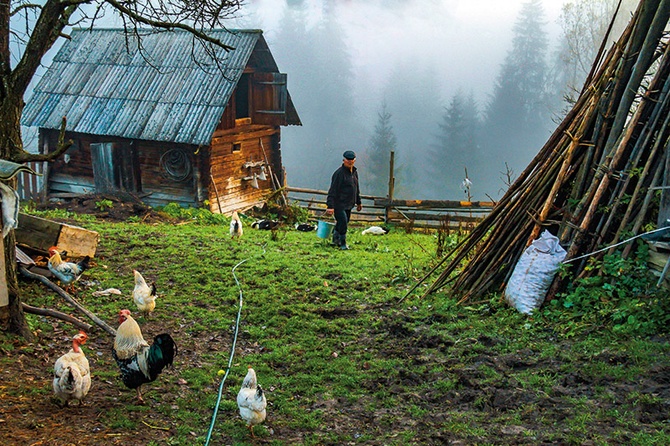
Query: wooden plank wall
29	186
74	176
227	166
157	188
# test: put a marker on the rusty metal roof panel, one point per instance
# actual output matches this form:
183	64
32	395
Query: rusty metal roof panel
176	86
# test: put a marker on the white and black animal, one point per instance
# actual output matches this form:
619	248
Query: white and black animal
375	230
251	401
304	227
236	230
265	224
72	375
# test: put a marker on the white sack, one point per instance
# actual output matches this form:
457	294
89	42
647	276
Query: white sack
534	273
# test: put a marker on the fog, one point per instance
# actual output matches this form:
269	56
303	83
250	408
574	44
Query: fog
433	75
414	55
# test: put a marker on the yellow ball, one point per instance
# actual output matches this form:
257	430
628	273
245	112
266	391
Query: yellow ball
221	372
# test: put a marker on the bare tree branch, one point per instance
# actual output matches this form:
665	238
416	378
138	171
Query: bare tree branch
58	315
139	18
99	322
21	156
20	8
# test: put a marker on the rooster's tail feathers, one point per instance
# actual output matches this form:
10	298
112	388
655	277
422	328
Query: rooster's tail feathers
161	354
69	377
83	264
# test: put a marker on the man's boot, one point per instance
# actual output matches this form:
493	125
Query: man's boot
336	238
343	242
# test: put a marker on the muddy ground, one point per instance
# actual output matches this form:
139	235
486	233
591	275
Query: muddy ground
29	415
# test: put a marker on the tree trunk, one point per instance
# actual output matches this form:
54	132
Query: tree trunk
10	140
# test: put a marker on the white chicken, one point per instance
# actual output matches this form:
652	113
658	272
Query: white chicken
144	295
235	225
375	230
72	375
251	401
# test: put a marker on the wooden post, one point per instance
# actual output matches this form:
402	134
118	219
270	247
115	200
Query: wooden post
664	206
4	295
387	209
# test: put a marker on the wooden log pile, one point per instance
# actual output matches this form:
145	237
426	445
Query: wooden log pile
592	183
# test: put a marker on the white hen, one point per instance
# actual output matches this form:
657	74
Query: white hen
251	401
235	225
375	230
72	376
144	295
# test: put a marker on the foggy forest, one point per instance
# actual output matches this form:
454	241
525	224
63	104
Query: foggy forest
490	132
441	123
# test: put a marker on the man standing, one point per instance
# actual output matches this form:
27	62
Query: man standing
343	195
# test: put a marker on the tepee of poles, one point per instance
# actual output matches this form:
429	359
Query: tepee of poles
592	184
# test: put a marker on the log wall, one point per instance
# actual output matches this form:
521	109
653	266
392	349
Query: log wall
237	154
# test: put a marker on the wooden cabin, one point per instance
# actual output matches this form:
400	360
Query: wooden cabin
168	119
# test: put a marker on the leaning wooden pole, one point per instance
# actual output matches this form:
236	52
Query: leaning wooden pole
69	299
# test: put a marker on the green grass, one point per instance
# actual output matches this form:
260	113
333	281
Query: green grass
342	361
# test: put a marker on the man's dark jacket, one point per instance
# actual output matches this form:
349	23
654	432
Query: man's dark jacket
344	192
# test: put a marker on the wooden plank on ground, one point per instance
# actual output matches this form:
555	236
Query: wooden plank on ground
41	234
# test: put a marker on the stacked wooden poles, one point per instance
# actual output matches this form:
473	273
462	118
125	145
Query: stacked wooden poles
589	183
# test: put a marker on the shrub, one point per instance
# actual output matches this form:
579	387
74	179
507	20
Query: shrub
622	297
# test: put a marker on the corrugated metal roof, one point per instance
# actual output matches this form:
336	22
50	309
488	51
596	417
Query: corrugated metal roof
171	90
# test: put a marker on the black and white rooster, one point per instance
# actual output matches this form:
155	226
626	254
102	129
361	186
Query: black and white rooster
140	363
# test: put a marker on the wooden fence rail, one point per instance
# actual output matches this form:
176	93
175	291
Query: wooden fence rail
453	214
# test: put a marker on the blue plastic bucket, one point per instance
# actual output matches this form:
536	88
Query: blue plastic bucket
324	229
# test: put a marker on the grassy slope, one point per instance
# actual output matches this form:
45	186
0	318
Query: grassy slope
342	362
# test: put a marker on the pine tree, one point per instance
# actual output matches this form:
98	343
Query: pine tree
411	93
457	145
517	117
378	156
321	87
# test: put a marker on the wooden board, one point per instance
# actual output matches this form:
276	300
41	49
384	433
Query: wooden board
41	234
4	294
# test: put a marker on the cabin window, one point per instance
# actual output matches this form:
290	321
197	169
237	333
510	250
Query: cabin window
242	97
273	93
237	146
